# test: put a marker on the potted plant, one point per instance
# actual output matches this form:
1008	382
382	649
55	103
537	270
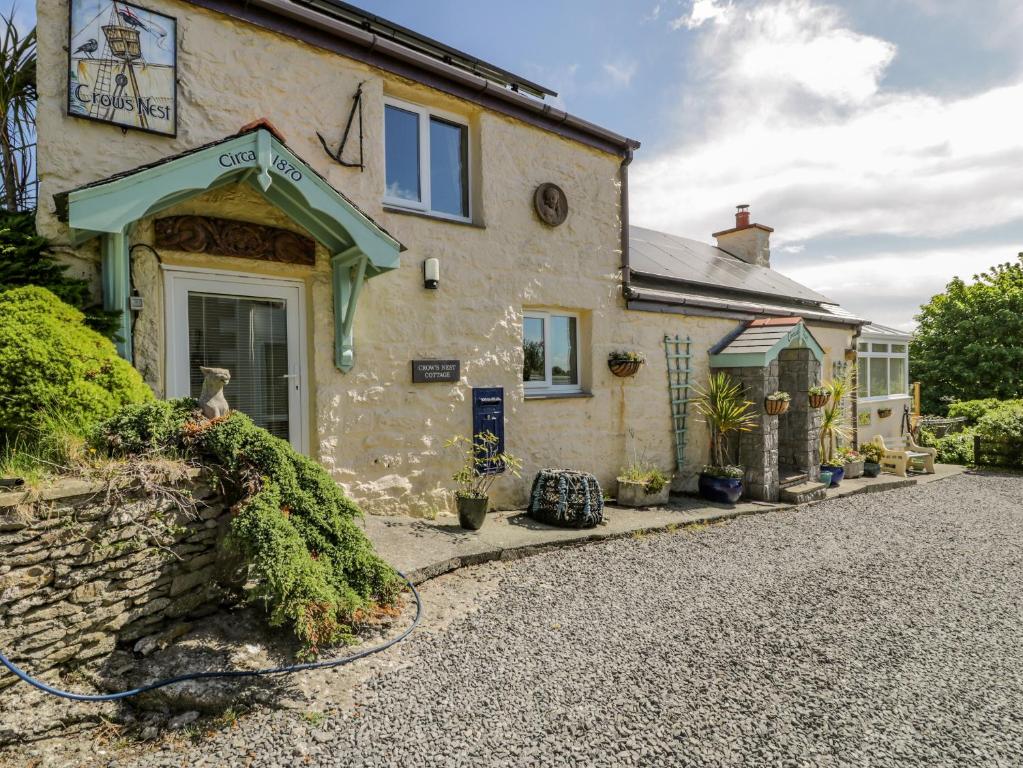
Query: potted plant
833	428
818	396
884	413
625	364
726	411
640	485
835	469
853	462
824	476
777	403
872	454
482	462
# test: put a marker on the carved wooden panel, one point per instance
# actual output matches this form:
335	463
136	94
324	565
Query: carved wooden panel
227	237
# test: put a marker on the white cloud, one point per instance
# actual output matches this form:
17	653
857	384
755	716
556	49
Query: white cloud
621	72
793	119
701	12
888	287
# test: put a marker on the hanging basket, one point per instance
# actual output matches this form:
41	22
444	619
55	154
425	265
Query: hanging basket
819	401
884	413
776	407
623	368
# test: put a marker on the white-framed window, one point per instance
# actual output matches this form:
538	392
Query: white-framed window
550	343
882	370
426	159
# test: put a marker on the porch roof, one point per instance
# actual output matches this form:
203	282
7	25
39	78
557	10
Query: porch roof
359	248
761	341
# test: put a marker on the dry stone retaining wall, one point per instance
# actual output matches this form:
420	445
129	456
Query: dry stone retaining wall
81	572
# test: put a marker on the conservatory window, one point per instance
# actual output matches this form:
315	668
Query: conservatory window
882	370
550	342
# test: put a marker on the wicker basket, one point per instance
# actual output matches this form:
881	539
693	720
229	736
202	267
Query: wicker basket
776	407
624	368
819	401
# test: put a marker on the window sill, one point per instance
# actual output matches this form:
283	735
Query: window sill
432	216
557	395
884	399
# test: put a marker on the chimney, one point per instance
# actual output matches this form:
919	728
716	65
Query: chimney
749	242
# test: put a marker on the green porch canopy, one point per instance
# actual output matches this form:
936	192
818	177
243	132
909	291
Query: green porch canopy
359	248
761	341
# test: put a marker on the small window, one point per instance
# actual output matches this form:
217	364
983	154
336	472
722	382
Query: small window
863	346
550	342
427	161
882	372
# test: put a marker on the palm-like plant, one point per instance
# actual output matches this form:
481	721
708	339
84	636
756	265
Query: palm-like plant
725	410
834	424
18	102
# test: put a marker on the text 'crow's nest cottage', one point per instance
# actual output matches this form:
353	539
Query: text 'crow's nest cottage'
389	242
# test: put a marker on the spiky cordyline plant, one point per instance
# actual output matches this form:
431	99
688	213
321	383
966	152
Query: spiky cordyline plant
18	102
834	424
725	410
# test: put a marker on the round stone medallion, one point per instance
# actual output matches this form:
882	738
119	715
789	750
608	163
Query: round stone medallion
551	204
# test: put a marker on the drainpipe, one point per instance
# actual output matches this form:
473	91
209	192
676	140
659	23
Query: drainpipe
624	217
856	388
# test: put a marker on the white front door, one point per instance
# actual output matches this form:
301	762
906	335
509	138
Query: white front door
254	327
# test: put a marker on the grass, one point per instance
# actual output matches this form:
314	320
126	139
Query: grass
56	445
314	718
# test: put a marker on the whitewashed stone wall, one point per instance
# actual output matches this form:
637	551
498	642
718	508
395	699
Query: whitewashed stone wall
381	436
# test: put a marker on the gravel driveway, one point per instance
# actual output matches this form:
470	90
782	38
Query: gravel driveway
880	629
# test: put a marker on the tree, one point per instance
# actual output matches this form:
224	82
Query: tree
26	259
969	340
18	102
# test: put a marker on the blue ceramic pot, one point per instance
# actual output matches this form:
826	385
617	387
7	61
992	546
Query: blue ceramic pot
837	473
723	490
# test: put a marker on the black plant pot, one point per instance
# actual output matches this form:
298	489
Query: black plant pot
723	490
871	469
471	512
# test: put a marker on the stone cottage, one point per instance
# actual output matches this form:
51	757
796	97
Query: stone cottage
389	242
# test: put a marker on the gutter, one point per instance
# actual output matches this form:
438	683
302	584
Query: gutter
624	218
377	50
644	300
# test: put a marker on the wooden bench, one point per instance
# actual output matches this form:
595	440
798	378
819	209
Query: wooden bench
909	455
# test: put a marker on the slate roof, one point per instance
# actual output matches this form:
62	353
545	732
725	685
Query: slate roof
678	270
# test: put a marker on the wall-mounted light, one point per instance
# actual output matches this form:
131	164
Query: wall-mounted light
431	273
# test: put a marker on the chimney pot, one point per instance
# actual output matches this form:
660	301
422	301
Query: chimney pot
741	216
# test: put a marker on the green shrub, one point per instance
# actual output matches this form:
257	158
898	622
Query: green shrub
1003	422
51	362
974	410
955	449
312	563
145	427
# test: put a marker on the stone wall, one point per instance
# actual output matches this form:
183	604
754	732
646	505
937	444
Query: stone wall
799	429
81	572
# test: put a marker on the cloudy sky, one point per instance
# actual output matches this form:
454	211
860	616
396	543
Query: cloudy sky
880	138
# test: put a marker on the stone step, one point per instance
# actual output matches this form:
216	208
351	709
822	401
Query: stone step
804	492
787	481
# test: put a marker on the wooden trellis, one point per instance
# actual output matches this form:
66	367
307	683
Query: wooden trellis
678	356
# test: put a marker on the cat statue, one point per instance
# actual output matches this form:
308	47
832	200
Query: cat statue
211	398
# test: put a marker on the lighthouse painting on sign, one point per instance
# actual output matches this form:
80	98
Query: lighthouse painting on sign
123	66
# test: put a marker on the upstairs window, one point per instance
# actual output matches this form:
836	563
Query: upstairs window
550	343
882	370
427	161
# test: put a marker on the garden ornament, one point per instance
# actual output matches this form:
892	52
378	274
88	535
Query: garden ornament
211	399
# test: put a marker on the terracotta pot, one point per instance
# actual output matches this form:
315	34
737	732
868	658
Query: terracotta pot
819	401
624	368
776	407
471	512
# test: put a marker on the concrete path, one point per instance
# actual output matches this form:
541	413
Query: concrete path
423	549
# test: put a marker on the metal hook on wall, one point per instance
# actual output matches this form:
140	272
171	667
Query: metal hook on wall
337	158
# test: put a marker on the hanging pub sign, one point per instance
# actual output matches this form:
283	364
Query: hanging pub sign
122	66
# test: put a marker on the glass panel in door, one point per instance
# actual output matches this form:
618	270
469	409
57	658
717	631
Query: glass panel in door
249	337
